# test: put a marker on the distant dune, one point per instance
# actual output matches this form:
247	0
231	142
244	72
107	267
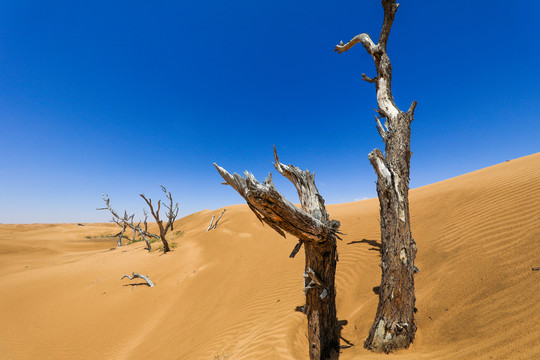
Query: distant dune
233	291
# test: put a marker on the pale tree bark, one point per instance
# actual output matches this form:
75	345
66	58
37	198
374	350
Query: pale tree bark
127	221
140	276
314	229
212	224
394	326
121	234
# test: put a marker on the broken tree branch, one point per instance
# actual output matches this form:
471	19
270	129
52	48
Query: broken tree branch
296	249
211	222
361	38
140	276
266	202
223	212
368	79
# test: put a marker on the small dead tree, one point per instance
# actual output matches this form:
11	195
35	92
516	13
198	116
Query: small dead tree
394	326
314	229
127	221
171	214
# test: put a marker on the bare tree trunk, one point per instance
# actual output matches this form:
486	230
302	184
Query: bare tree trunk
323	333
171	216
394	326
312	226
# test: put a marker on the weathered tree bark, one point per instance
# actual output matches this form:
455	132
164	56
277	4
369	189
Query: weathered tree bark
212	224
140	276
171	216
394	326
312	226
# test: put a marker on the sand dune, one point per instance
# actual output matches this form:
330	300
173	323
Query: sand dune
233	291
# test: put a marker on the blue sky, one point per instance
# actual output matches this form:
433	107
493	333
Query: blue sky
118	97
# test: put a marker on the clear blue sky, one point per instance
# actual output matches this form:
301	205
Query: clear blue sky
118	97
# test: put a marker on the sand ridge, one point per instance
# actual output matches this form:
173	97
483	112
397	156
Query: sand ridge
233	291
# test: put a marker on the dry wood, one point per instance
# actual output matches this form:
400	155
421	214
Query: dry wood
172	213
223	212
313	227
394	326
127	220
140	276
211	222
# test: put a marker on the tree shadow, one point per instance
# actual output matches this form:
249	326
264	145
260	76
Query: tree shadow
341	324
377	290
348	344
377	246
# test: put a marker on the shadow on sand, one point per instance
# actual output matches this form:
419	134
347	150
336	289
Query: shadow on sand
376	246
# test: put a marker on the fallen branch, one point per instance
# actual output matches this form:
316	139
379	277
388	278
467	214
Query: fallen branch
535	269
211	222
215	225
140	276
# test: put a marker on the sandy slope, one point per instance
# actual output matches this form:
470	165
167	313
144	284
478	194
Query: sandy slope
233	291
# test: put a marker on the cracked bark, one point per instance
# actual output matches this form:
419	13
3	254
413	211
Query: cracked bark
313	227
394	326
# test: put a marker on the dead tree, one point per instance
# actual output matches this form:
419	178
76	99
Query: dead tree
127	221
394	326
172	213
314	229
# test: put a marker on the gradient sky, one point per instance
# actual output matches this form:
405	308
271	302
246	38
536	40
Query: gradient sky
118	97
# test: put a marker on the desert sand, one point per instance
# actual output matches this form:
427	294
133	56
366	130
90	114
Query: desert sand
232	292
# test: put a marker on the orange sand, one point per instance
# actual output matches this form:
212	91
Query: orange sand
233	291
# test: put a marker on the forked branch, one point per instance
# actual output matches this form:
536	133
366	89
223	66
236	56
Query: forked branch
172	213
274	209
127	221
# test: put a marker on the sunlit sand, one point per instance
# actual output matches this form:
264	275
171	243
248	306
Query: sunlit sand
232	291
